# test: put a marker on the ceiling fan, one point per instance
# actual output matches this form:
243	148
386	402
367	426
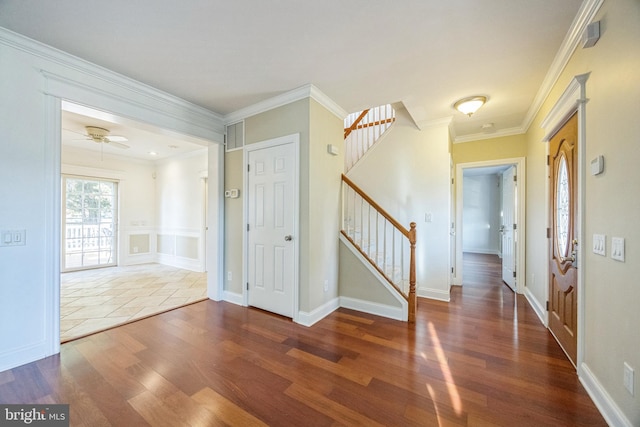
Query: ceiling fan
102	135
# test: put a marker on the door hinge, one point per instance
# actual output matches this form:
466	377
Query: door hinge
547	305
548	233
451	270
515	226
547	160
514	274
247	285
248	167
247	227
451	180
515	178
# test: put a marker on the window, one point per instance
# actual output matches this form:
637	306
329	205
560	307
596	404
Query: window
89	223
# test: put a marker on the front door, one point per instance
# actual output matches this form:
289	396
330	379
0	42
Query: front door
563	291
271	222
508	227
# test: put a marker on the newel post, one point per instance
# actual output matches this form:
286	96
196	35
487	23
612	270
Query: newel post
413	302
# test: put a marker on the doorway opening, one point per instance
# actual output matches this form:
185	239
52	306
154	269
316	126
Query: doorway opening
490	217
133	221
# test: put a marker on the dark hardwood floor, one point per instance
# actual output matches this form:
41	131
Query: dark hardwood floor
484	359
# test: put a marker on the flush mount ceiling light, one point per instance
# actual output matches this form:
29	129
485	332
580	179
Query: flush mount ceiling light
470	104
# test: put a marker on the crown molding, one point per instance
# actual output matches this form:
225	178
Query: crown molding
303	92
328	103
480	136
585	15
154	99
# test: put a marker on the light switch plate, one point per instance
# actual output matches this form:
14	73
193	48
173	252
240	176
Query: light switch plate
600	244
13	237
617	248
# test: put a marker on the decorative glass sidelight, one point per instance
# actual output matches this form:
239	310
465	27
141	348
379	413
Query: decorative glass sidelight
563	204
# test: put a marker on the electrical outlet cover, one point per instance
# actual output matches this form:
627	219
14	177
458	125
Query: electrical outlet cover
628	378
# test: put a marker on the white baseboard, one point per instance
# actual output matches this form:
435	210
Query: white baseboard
540	310
484	251
139	259
22	355
178	262
232	297
309	318
383	310
603	401
437	294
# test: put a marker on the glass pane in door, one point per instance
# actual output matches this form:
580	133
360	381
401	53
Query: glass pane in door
89	223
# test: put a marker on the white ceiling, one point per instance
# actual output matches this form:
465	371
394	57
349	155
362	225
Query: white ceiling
227	55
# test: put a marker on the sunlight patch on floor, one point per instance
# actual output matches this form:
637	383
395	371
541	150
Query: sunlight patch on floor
456	402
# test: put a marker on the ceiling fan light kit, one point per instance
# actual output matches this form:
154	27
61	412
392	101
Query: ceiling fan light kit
97	134
101	135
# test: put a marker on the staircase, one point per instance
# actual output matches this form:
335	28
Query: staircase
385	243
363	129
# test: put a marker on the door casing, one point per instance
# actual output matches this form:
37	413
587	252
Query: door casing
572	100
509	233
519	162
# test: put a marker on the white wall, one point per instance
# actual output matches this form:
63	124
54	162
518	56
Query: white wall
481	214
408	174
33	80
180	200
163	198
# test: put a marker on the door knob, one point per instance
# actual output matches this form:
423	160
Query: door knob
288	238
574	252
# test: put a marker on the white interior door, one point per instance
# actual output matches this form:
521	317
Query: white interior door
509	227
272	202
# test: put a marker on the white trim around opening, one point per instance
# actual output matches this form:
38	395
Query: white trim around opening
519	162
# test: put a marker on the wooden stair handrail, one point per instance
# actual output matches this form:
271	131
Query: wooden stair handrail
354	125
409	234
376	206
377	123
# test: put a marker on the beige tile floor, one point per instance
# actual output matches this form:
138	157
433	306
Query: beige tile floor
94	300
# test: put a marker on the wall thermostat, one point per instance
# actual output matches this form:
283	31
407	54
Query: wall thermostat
597	165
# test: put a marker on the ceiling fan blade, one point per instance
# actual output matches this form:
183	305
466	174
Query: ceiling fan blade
117	144
117	138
